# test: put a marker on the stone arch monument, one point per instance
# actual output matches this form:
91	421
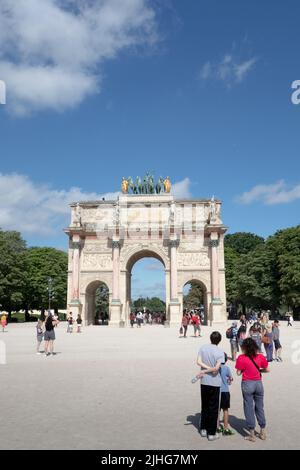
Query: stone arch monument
106	239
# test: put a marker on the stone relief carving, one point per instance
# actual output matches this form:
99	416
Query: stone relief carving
97	261
96	248
193	259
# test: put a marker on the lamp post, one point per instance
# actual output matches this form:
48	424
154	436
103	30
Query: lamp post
50	286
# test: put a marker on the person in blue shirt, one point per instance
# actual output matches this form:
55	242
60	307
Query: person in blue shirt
226	376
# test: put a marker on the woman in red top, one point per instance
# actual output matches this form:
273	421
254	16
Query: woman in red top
250	365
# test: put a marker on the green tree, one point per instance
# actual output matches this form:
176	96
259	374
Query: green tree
154	304
243	242
12	270
194	297
102	299
42	264
285	245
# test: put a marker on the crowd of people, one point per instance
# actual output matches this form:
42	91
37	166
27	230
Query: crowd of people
45	331
140	318
216	378
254	344
265	335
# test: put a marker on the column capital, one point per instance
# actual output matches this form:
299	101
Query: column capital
173	243
75	245
116	244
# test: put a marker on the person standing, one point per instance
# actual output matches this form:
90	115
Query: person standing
227	379
70	323
255	334
3	322
290	320
79	323
49	335
250	365
231	334
276	339
39	335
210	358
139	319
268	342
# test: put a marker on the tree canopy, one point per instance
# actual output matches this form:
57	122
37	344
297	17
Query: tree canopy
264	273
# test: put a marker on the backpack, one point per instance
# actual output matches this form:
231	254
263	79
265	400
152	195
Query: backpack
229	333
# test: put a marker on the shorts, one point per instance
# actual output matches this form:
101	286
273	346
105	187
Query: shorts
277	344
225	401
39	338
234	345
49	335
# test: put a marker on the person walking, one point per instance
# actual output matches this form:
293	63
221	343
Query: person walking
3	322
79	323
132	319
185	323
250	364
267	340
276	339
39	335
49	335
196	324
210	358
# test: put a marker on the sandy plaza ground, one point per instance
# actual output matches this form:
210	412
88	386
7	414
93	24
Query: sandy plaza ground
130	389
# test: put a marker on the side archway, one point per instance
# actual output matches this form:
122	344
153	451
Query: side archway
194	295
97	303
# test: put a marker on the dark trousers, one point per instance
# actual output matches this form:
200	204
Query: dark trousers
210	402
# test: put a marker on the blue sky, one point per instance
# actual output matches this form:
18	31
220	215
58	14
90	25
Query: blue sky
200	91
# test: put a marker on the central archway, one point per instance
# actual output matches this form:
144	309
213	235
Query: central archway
131	262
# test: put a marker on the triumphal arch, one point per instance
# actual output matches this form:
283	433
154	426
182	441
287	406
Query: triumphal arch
107	237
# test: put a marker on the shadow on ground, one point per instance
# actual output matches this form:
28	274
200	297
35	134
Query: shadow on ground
237	424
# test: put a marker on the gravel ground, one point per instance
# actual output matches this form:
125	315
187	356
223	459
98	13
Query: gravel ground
129	389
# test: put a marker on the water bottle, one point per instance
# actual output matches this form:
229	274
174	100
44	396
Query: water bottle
195	379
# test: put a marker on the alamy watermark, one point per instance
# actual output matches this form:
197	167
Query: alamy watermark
2	92
296	94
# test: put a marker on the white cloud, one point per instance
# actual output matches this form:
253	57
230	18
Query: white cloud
181	190
38	209
51	50
271	194
229	70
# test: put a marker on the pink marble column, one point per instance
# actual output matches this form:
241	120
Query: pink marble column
116	270
215	287
174	279
75	267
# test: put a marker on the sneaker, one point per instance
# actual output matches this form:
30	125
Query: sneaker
228	432
214	437
203	433
220	429
263	434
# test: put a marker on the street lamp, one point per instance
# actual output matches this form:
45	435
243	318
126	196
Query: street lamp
50	291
